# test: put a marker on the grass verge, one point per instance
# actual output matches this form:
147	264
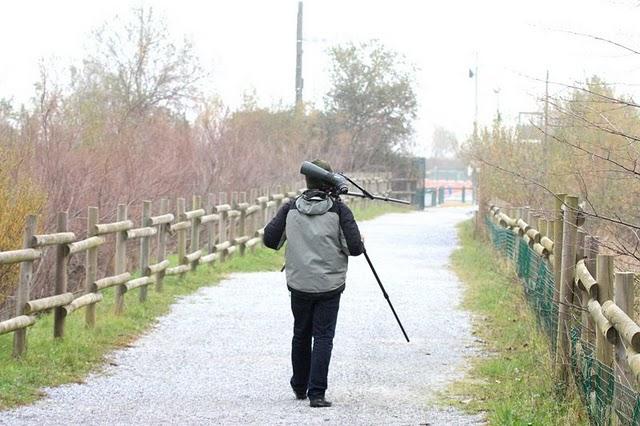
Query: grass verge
514	384
50	362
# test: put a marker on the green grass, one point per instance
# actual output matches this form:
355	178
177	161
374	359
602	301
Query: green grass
514	383
50	362
379	208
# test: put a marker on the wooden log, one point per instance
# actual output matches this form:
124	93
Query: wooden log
624	299
241	240
195	233
526	239
180	226
62	260
524	226
231	250
222	246
540	250
16	324
534	236
176	270
120	257
24	287
627	328
209	258
192	257
633	359
253	242
162	219
222	208
604	277
605	328
222	230
276	197
566	294
547	243
271	204
83	245
52	239
156	267
192	214
253	209
233	213
262	199
585	280
17	256
89	299
38	305
162	245
145	248
107	282
91	267
144	232
138	282
182	236
209	218
110	228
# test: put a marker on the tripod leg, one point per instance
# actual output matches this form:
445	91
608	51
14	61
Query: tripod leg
384	293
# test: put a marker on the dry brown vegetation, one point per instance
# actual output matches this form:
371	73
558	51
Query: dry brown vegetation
591	150
133	122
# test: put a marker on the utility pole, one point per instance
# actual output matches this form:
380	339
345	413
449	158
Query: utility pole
299	81
546	112
545	140
475	119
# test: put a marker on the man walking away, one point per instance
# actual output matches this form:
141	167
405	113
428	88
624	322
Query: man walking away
321	233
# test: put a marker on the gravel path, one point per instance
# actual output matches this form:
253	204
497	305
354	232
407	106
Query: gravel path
221	356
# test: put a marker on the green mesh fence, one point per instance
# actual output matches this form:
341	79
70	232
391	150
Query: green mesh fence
606	399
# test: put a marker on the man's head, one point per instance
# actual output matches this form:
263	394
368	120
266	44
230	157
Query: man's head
315	183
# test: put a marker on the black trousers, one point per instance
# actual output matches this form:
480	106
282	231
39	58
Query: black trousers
317	319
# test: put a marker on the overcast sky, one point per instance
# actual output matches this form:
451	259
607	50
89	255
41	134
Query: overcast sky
250	45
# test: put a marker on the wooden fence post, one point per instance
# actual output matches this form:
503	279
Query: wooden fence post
624	298
182	237
604	277
194	246
91	274
22	296
566	289
583	298
145	248
61	276
211	229
222	228
242	220
162	244
120	258
558	231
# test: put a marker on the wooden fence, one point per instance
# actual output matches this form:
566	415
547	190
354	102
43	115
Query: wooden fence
590	312
229	227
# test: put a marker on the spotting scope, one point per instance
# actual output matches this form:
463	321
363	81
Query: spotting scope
335	180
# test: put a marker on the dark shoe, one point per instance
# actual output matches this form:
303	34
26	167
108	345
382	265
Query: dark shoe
299	394
319	402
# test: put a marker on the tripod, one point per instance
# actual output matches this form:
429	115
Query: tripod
384	293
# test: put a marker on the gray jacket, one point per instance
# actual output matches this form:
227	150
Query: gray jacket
321	233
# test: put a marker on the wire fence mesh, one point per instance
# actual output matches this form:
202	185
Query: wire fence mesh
606	399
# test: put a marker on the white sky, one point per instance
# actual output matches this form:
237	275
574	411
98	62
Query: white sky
250	44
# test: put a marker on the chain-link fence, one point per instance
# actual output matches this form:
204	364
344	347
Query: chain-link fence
607	400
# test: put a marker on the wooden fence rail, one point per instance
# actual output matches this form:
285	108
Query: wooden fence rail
589	294
229	227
